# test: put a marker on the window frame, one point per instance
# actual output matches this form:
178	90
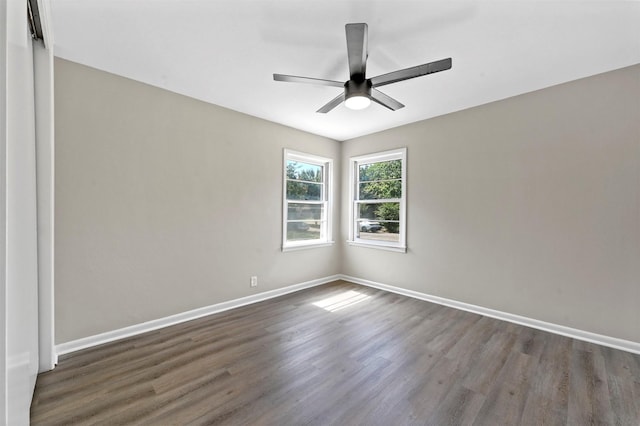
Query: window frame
354	201
326	199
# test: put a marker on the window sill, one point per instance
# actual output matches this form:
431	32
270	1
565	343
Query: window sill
307	246
397	249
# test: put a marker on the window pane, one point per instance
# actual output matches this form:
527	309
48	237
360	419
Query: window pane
304	230
378	230
379	211
304	191
306	200
380	190
379	199
380	171
301	211
303	171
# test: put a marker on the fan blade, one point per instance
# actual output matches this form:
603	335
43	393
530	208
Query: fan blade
412	72
332	104
385	100
307	80
357	50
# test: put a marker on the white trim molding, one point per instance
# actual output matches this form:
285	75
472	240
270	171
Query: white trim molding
133	330
308	246
378	246
574	333
110	336
45	190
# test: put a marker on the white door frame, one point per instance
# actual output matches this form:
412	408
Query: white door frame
45	173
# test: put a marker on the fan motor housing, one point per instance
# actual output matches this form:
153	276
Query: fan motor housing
357	88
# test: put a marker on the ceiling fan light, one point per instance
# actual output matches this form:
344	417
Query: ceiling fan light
357	102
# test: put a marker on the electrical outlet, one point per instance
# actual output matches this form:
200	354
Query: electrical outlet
254	281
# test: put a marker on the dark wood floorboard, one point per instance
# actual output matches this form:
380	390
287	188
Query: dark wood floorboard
372	358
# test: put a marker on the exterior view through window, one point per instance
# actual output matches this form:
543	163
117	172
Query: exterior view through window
379	199
306	204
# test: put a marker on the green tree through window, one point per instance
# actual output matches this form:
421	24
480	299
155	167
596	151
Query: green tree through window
304	181
306	200
381	181
378	212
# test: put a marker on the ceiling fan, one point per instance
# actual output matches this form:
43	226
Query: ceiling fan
359	90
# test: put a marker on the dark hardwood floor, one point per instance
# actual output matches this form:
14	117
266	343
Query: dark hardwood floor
342	354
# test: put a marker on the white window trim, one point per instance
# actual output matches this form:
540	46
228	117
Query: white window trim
327	163
394	154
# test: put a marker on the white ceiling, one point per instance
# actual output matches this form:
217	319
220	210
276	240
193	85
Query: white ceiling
225	52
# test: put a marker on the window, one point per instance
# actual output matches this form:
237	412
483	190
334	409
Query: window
378	195
307	200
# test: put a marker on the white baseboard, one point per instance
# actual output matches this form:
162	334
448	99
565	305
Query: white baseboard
587	336
110	336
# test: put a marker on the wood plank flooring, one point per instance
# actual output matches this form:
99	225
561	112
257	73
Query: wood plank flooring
342	354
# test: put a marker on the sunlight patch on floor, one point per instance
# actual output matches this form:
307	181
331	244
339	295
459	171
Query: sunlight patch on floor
341	301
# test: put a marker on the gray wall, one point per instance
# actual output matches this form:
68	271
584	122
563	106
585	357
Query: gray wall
166	204
530	205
